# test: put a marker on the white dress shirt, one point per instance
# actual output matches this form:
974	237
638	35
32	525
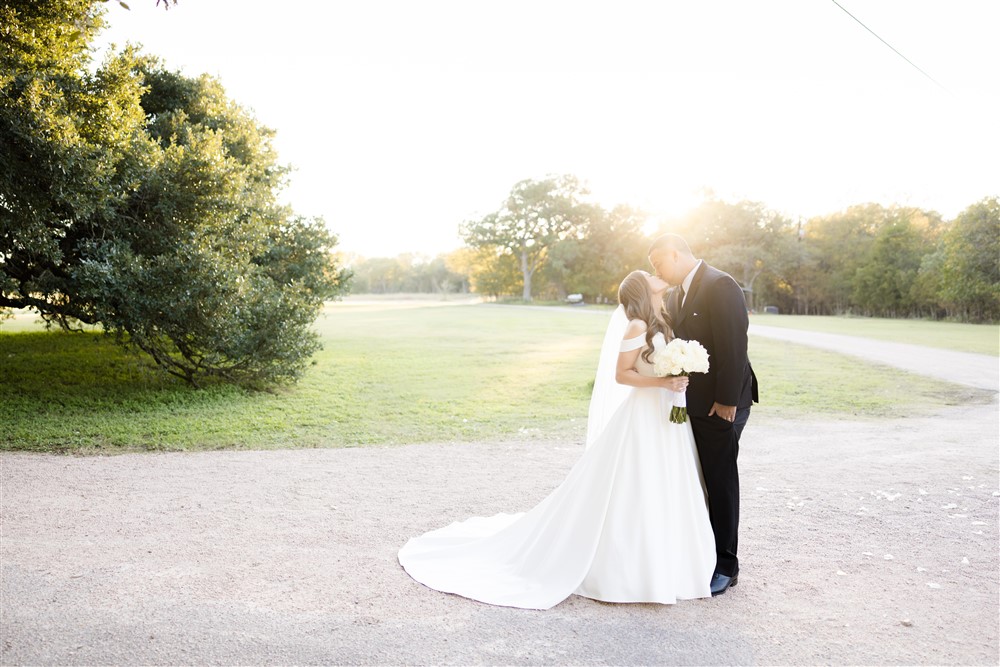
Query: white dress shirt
686	283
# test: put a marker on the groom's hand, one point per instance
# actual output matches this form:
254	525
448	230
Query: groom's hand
727	412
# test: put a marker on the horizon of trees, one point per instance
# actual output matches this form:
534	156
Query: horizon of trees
869	259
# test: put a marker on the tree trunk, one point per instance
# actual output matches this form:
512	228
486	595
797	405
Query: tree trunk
749	286
526	272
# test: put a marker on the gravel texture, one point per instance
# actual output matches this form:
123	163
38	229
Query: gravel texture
862	542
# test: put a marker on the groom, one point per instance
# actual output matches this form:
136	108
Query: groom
708	306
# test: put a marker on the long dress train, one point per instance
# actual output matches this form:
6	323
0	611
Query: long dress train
628	524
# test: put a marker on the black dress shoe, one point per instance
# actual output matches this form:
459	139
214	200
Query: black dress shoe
721	583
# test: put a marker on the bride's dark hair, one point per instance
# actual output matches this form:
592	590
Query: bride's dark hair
634	296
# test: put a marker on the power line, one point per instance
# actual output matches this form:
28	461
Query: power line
912	64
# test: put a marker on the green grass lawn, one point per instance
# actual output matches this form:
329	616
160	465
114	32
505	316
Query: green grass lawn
390	373
978	338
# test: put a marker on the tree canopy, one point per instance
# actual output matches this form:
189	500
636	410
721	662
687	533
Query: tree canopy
535	216
970	263
146	202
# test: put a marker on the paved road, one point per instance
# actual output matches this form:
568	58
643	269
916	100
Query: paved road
973	370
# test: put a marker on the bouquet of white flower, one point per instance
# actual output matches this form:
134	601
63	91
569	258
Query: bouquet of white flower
679	357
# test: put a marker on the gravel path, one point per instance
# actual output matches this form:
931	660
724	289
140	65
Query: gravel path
973	370
863	542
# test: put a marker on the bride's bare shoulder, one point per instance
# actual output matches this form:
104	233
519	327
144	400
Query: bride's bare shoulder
635	328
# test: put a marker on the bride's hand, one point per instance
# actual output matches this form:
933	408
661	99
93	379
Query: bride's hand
676	383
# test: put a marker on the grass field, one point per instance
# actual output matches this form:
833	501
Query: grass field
393	373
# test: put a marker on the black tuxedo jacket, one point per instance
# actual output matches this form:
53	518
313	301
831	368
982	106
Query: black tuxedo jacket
715	315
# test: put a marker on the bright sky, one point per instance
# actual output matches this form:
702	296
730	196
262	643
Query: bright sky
403	117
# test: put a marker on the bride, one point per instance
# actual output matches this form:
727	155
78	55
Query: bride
628	524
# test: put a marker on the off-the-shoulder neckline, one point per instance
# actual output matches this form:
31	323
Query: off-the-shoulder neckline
643	335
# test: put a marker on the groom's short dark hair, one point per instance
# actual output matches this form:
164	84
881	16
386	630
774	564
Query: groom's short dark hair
672	241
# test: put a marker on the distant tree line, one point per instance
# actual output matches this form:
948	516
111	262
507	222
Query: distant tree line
410	273
547	240
869	260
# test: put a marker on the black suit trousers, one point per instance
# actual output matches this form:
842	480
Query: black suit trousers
718	444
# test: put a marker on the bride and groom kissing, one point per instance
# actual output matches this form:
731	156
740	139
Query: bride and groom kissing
650	512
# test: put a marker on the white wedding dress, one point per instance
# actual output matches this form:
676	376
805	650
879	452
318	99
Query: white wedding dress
628	524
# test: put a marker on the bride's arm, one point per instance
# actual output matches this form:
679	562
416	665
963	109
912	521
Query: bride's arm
625	372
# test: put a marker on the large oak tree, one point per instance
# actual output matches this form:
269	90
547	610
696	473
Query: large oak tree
146	202
535	216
